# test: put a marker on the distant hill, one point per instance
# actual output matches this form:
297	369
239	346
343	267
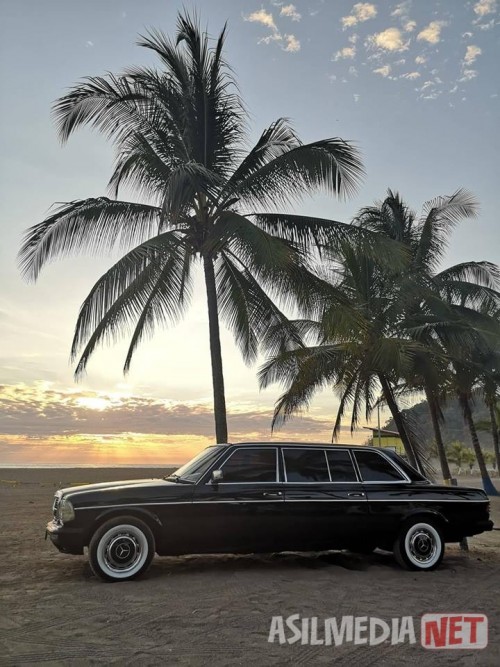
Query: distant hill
453	427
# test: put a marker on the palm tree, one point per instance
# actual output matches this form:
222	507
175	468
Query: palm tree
356	348
403	314
489	380
463	382
179	135
429	291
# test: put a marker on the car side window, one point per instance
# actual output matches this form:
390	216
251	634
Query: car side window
374	468
250	465
305	465
341	467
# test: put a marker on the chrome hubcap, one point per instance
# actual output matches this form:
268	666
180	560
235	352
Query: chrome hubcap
422	545
122	552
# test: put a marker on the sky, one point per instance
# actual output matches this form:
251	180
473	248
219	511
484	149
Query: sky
414	84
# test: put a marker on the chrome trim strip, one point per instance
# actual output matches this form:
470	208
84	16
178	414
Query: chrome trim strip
289	500
328	466
183	502
426	500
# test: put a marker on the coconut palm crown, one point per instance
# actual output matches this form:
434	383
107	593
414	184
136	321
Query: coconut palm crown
179	134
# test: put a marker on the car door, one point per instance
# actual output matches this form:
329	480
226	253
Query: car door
243	511
325	504
388	491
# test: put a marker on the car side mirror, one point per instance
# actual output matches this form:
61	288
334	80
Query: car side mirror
217	476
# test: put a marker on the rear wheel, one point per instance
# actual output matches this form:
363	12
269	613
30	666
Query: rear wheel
419	546
121	549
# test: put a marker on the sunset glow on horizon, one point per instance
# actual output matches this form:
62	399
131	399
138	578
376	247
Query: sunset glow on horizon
80	428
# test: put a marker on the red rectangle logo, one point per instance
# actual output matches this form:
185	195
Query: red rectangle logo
445	631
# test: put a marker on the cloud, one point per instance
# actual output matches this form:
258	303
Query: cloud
432	96
485	26
426	85
420	60
362	11
402	9
353	71
40	411
263	17
39	424
273	37
291	12
89	44
466	35
410	75
346	52
383	71
471	54
432	32
484	7
292	44
467	75
402	12
390	39
288	43
356	97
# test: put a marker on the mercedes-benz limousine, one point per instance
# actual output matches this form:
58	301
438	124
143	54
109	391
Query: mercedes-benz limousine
268	497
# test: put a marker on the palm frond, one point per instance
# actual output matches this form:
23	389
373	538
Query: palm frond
167	300
481	273
440	216
119	294
332	166
92	225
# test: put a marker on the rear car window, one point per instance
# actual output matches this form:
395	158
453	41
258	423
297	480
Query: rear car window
375	468
305	465
341	467
409	470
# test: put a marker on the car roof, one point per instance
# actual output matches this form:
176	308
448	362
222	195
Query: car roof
301	444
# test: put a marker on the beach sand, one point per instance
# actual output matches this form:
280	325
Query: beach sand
200	610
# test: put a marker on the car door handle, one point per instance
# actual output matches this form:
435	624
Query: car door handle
273	494
356	494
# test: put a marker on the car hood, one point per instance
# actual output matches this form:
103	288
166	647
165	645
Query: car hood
84	488
127	492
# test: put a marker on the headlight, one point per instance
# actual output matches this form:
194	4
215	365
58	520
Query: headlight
66	511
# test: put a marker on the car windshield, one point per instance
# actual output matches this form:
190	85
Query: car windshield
193	470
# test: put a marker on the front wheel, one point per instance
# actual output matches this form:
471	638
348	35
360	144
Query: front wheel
419	546
121	549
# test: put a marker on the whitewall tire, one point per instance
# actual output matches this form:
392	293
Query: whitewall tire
419	546
121	549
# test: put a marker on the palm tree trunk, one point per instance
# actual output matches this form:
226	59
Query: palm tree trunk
494	432
433	409
215	352
399	421
487	483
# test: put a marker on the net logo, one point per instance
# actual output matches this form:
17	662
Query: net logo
449	631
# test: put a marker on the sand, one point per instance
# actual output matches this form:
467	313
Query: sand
201	610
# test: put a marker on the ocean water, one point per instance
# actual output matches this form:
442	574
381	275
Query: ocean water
49	466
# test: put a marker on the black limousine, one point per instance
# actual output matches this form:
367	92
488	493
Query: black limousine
268	497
